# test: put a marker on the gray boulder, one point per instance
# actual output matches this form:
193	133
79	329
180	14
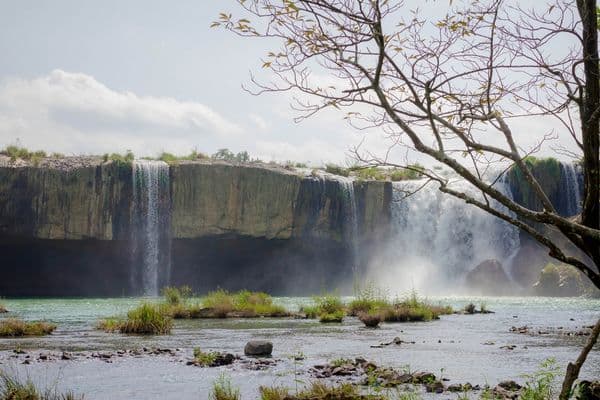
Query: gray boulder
258	348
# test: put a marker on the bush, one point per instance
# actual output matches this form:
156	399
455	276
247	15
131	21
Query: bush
147	319
17	328
337	316
220	302
413	309
223	390
337	170
372	173
120	159
402	174
539	386
11	388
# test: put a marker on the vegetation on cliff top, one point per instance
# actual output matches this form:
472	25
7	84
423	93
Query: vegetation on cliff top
13	327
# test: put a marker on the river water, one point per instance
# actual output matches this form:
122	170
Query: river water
460	347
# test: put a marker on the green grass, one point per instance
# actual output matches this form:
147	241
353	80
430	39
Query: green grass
174	295
244	303
337	170
328	308
146	319
337	316
223	390
539	385
319	391
368	300
13	388
22	153
413	309
120	159
17	328
172	158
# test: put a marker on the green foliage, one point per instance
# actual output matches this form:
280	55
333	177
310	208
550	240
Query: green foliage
13	327
274	392
22	153
368	300
146	319
413	309
228	155
337	316
328	308
170	158
12	388
120	159
174	295
204	358
372	173
539	385
223	390
401	174
243	303
337	170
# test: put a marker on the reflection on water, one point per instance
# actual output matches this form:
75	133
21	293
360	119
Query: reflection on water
455	343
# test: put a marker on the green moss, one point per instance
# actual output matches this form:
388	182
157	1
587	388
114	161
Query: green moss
547	173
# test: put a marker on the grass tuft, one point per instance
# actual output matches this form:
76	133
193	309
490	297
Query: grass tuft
223	390
12	388
3	309
205	358
146	319
17	328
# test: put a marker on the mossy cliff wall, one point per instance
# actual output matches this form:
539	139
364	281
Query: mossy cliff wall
68	222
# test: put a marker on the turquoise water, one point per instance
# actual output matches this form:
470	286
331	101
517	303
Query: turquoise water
458	345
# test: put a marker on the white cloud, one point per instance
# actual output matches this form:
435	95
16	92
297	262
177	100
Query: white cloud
73	112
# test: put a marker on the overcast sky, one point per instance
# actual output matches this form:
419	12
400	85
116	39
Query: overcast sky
150	76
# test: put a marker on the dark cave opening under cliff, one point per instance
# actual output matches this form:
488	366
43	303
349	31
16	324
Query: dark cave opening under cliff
86	268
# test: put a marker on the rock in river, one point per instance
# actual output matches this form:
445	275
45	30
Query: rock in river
258	348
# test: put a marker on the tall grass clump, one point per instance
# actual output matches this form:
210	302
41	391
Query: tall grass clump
327	308
368	300
3	309
146	319
13	327
412	309
223	390
244	303
13	388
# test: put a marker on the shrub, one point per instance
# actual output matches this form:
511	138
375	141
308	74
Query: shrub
372	173
337	170
11	388
223	390
337	316
120	159
17	328
412	172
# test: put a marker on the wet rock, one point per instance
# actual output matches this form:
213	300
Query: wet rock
459	387
43	357
435	387
66	356
508	347
510	386
586	390
258	348
520	329
423	377
490	278
19	351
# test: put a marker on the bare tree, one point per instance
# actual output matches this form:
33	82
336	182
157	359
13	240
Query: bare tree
453	89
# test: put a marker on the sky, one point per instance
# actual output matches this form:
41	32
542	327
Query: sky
90	77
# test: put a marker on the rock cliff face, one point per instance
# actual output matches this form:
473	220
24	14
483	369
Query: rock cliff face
233	226
77	198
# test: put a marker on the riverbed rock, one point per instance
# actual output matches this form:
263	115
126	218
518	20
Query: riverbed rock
489	278
586	390
258	348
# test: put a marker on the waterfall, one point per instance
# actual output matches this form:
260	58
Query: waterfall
436	238
351	221
151	214
572	194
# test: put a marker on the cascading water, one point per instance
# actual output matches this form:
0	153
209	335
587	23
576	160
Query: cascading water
351	221
572	195
151	206
436	238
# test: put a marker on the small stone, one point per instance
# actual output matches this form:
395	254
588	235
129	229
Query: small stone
258	348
